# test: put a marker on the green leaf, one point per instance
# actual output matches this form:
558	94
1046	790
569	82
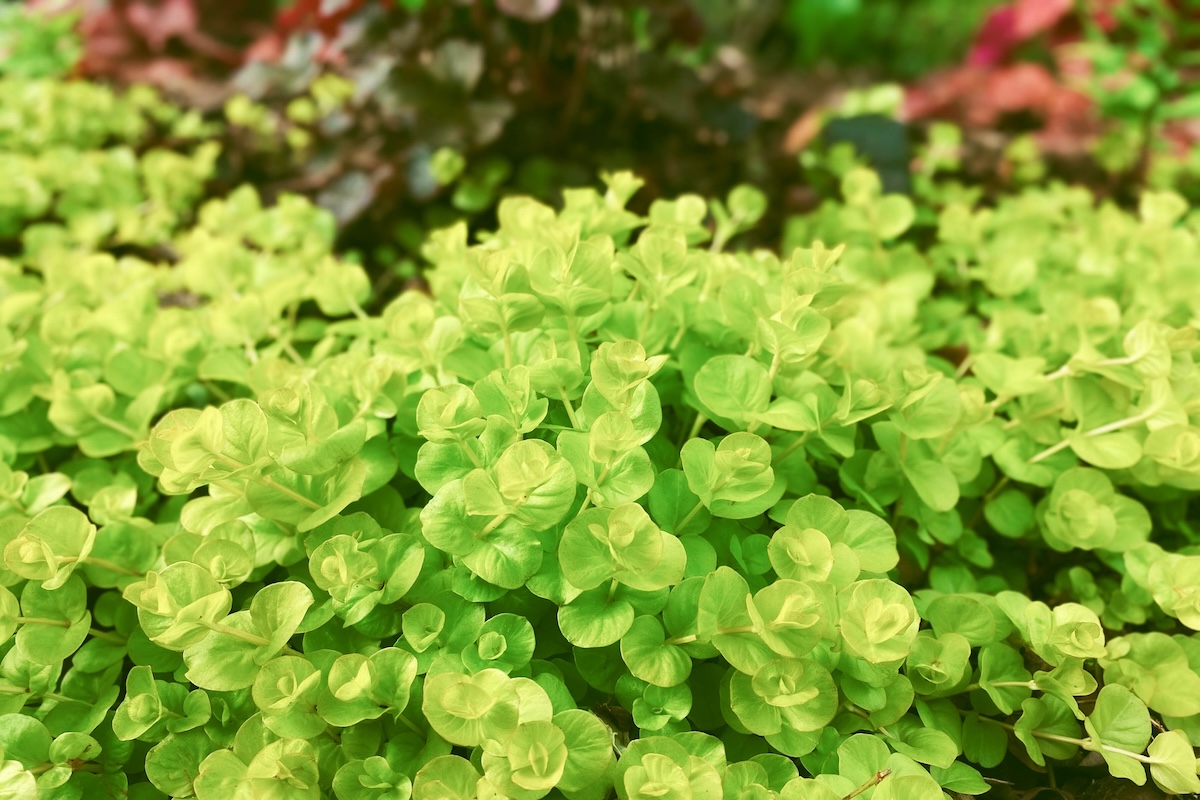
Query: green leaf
933	482
733	479
797	695
674	506
1119	450
1003	676
1119	723
595	619
177	605
937	662
229	658
173	763
924	745
57	621
51	546
983	743
25	740
895	215
906	787
446	778
733	387
746	205
1173	764
506	642
791	616
1155	667
971	617
878	621
724	620
589	750
1010	512
466	709
801	554
650	658
1052	717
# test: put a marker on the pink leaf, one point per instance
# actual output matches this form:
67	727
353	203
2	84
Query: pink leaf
160	23
997	36
1013	24
1039	16
1021	87
529	10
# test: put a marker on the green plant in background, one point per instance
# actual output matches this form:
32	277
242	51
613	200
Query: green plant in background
1141	61
37	46
258	540
887	34
86	166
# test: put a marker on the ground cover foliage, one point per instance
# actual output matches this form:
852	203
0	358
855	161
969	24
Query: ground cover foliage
617	508
693	95
530	97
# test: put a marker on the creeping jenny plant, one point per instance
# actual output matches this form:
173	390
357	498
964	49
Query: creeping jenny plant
611	512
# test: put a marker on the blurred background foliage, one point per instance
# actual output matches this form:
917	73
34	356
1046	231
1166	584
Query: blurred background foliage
402	115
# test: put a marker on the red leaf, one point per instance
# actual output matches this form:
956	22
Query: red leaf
160	23
1021	87
1013	24
940	91
268	48
1038	16
997	36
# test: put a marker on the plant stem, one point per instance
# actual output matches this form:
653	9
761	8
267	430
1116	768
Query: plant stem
1001	685
13	501
107	636
791	448
409	724
987	498
119	427
469	453
1111	427
496	522
245	636
603	474
720	237
691	637
697	424
291	352
1061	372
44	768
874	781
104	563
216	391
62	623
16	690
695	510
1049	451
1086	744
271	483
858	712
964	367
677	640
57	623
562	394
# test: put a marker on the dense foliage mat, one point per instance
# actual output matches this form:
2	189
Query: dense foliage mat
612	510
